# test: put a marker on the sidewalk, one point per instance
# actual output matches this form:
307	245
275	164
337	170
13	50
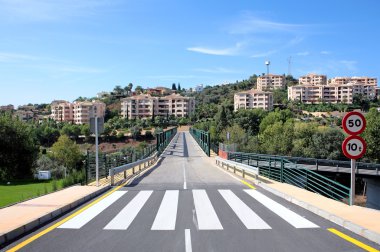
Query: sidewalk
360	220
25	216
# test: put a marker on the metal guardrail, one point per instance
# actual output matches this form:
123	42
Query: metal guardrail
316	164
215	148
237	166
123	168
109	160
202	138
285	171
164	138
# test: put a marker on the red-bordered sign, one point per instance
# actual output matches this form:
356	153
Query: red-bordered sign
354	123
354	147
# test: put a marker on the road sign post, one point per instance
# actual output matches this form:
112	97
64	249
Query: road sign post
96	127
354	146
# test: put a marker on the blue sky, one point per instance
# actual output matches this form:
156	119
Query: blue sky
65	49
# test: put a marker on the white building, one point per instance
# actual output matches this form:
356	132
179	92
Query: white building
270	82
145	106
253	99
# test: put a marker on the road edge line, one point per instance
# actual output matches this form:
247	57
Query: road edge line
54	226
353	240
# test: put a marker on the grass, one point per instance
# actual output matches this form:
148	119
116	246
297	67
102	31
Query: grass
22	190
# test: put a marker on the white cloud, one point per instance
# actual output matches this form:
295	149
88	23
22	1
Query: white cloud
217	70
171	77
349	64
303	53
48	10
264	54
325	52
251	24
212	51
16	57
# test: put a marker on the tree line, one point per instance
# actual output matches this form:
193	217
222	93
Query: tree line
283	132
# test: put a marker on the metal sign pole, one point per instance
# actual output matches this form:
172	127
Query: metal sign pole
96	151
352	193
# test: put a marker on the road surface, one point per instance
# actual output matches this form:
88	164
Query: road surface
187	204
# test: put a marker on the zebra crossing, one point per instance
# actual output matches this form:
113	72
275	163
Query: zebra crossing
206	215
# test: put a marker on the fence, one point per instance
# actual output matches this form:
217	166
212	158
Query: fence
164	138
283	170
202	138
125	156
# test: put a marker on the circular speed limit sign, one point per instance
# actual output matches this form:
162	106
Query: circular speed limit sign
354	123
354	147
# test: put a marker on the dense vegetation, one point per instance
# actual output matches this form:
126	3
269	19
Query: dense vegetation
286	130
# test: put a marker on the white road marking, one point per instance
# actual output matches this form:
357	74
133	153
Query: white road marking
289	216
249	218
184	177
87	215
129	212
167	213
188	241
206	215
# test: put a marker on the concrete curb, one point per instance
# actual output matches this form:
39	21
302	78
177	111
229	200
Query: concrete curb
370	235
12	235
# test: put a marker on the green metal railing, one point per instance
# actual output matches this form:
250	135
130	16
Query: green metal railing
125	156
202	138
115	159
285	171
215	148
164	138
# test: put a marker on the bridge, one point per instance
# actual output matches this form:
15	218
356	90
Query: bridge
180	199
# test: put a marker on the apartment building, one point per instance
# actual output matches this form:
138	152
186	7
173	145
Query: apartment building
313	79
77	112
270	82
347	80
9	108
145	106
62	111
337	91
253	99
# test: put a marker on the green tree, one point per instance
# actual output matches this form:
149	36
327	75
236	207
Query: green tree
372	135
136	132
66	152
277	138
139	89
237	136
327	143
18	149
250	119
303	139
174	87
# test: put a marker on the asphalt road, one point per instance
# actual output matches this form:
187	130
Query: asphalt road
187	204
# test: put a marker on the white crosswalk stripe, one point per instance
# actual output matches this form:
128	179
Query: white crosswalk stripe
165	217
129	212
249	218
206	215
87	215
289	216
167	213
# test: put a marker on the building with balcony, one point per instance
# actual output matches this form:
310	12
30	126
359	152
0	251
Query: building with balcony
8	108
347	80
145	106
253	99
77	112
270	82
337	91
312	79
